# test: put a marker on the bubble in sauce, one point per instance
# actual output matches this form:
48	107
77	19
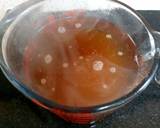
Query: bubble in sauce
112	70
43	81
108	36
78	25
120	53
105	86
61	29
53	89
98	65
81	57
65	65
48	59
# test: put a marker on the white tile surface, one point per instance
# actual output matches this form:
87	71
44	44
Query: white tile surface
136	4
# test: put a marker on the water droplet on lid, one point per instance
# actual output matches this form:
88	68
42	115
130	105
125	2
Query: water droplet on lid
105	86
81	57
108	36
78	25
39	55
87	59
48	59
43	81
120	53
98	65
53	89
61	29
70	46
74	64
65	65
94	52
112	69
137	60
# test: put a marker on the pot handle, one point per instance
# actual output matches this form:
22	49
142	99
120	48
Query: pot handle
9	17
11	14
156	36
